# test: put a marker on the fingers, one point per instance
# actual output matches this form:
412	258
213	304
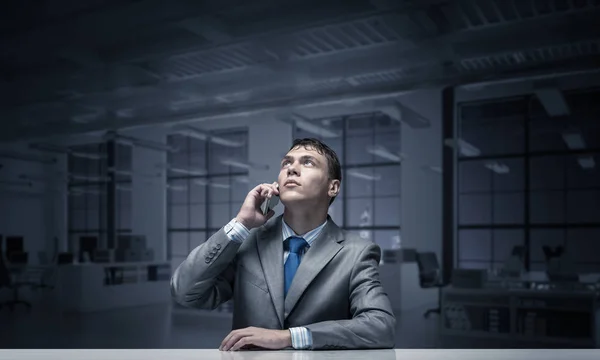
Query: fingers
234	337
222	346
272	189
268	190
247	340
228	338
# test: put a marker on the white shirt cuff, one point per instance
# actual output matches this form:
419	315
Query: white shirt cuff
301	338
236	231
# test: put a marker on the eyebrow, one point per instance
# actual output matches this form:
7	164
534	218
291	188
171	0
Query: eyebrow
304	157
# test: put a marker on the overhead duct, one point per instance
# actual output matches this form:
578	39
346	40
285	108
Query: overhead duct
132	141
80	177
24	183
27	157
497	167
43	178
463	147
305	124
243	165
65	150
115	171
553	101
433	168
194	133
574	140
191	172
405	115
361	175
384	153
586	162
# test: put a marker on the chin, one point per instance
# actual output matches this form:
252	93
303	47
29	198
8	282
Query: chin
291	198
294	198
298	201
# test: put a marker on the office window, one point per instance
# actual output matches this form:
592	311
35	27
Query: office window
525	178
88	185
368	146
207	183
123	205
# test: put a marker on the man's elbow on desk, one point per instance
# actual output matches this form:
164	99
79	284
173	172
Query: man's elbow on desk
384	330
372	330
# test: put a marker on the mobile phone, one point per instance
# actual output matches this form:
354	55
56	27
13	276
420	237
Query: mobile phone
269	204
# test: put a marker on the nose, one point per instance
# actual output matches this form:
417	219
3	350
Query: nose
292	170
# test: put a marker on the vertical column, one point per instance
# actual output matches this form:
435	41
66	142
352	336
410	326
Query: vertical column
56	211
269	141
111	197
421	188
149	193
448	233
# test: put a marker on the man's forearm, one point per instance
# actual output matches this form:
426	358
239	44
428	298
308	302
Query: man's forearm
373	329
203	278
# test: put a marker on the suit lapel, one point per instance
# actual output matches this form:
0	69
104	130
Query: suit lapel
270	251
323	249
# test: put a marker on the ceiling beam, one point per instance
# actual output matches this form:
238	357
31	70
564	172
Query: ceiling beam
339	65
264	106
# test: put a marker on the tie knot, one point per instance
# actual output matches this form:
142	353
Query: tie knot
297	244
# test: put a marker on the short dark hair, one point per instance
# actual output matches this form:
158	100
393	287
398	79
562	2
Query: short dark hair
333	163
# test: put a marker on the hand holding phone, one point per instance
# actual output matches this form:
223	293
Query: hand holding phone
269	204
258	205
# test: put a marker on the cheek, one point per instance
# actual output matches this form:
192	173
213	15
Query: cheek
320	185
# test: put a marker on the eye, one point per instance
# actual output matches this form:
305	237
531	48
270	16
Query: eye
309	162
285	162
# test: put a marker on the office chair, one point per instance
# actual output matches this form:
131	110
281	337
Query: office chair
7	281
47	275
14	244
552	253
4	273
430	276
87	246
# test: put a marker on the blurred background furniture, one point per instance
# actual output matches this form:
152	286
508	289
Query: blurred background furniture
430	276
14	251
16	271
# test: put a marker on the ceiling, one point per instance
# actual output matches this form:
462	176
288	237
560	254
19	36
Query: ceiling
79	66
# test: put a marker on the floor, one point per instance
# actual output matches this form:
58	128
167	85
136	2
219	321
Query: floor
156	326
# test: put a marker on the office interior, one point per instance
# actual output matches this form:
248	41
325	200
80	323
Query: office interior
467	130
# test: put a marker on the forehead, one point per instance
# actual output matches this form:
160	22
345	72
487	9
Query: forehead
300	151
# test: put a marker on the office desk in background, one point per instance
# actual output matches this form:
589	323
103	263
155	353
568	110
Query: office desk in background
88	287
527	311
396	354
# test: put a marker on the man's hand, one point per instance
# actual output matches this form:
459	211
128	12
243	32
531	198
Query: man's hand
256	337
250	214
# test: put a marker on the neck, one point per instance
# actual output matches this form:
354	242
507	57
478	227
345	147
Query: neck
304	220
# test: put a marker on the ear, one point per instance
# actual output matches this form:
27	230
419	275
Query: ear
334	188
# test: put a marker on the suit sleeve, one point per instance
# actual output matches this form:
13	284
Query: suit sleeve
373	322
205	278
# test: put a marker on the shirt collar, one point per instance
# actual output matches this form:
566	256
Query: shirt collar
309	236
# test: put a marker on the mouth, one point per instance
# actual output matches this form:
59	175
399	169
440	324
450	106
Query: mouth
291	183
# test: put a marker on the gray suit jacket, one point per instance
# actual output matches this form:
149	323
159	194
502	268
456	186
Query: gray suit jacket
336	292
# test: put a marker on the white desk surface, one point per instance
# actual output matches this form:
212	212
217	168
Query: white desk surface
404	354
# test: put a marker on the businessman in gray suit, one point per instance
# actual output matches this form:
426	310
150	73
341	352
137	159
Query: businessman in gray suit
298	280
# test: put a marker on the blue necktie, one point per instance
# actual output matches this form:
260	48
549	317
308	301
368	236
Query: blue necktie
293	260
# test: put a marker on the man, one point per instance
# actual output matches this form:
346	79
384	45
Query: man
298	280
